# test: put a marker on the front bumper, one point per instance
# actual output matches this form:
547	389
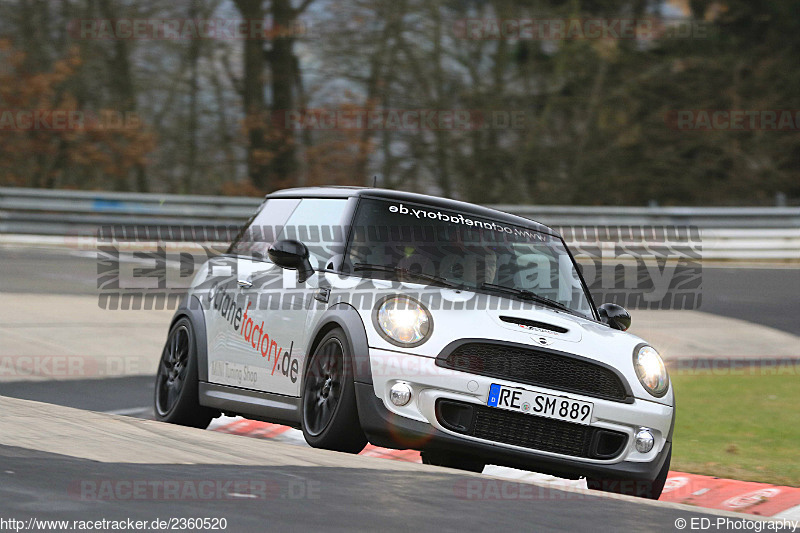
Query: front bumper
416	426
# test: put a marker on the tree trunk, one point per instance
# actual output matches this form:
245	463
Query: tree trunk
255	107
282	66
121	81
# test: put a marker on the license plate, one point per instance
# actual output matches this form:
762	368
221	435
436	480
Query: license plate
540	404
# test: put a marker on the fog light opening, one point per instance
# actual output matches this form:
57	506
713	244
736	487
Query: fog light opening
644	440
400	394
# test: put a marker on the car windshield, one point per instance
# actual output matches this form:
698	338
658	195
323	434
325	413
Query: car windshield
401	241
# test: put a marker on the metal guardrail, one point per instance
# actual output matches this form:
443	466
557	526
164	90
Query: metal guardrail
700	217
57	212
741	233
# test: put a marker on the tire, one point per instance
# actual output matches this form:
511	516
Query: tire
176	397
452	460
644	489
329	411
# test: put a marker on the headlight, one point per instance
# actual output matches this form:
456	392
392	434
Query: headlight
650	370
403	321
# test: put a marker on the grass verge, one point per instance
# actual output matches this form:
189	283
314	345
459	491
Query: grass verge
739	426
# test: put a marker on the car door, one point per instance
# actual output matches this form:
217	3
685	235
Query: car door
274	331
230	298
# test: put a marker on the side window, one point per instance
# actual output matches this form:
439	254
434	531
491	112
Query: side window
262	230
317	223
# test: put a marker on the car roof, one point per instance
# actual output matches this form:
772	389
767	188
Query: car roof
402	196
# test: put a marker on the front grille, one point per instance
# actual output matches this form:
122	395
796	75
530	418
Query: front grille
535	366
530	431
534	432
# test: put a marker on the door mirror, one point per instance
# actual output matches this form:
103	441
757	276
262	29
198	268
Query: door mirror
292	255
615	316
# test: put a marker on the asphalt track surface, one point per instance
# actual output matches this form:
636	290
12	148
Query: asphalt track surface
130	396
34	485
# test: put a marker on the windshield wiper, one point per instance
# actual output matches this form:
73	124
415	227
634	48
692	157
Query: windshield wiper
404	272
523	294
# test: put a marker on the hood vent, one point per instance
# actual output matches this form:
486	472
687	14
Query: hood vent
533	324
